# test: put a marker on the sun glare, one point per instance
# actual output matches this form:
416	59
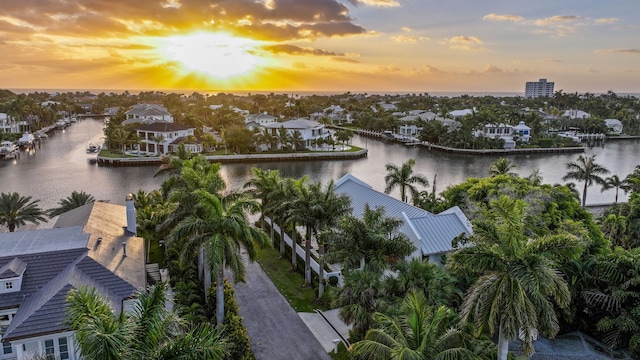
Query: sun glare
215	54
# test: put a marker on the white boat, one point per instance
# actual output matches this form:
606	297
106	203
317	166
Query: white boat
61	124
8	149
73	119
27	140
92	149
67	121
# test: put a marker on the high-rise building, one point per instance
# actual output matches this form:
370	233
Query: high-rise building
538	88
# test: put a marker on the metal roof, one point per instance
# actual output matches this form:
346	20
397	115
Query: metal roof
12	269
435	232
44	240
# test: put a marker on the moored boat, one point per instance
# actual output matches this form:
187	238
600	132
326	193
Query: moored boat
61	124
8	149
27	140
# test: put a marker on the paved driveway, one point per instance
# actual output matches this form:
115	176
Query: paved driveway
275	330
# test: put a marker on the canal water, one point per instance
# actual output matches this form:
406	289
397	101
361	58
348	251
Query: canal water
60	165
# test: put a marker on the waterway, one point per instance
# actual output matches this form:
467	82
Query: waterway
60	165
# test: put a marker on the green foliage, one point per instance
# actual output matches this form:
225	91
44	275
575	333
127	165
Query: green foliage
17	210
233	328
76	200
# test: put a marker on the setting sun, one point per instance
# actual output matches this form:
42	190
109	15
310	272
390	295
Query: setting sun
217	55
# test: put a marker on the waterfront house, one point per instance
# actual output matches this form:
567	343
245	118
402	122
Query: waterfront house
162	138
147	114
309	130
614	126
8	125
432	234
522	131
93	245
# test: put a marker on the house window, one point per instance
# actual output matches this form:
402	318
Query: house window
49	349
7	348
63	346
8	285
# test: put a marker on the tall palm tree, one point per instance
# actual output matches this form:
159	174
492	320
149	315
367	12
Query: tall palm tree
420	332
518	277
316	208
502	166
76	200
613	182
16	210
150	331
403	178
373	240
263	183
221	225
585	169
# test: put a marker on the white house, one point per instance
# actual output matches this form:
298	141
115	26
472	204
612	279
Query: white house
460	113
147	114
309	130
432	234
335	113
522	131
614	125
90	245
253	121
576	114
163	138
8	125
232	108
495	131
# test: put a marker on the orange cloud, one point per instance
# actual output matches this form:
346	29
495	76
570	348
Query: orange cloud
465	43
503	17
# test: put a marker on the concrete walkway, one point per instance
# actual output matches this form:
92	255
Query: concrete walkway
275	330
327	327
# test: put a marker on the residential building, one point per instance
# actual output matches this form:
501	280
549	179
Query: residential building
93	245
432	234
335	113
8	125
253	121
538	88
309	130
576	114
522	131
147	114
160	138
460	113
614	125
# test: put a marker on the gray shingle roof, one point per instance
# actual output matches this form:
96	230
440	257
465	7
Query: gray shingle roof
12	269
57	260
434	232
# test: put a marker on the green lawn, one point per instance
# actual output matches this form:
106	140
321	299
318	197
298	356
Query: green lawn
290	284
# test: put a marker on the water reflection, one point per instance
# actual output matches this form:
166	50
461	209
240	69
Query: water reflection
60	166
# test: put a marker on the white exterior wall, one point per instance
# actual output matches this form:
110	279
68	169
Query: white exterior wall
169	137
29	348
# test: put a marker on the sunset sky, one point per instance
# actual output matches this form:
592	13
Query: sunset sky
320	45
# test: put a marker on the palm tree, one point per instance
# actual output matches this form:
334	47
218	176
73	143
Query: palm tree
16	210
150	331
420	332
263	183
157	139
502	166
359	298
316	208
76	200
297	141
586	169
403	178
518	278
373	240
221	225
613	182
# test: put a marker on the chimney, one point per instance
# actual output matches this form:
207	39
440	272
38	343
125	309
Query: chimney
99	240
131	215
124	249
